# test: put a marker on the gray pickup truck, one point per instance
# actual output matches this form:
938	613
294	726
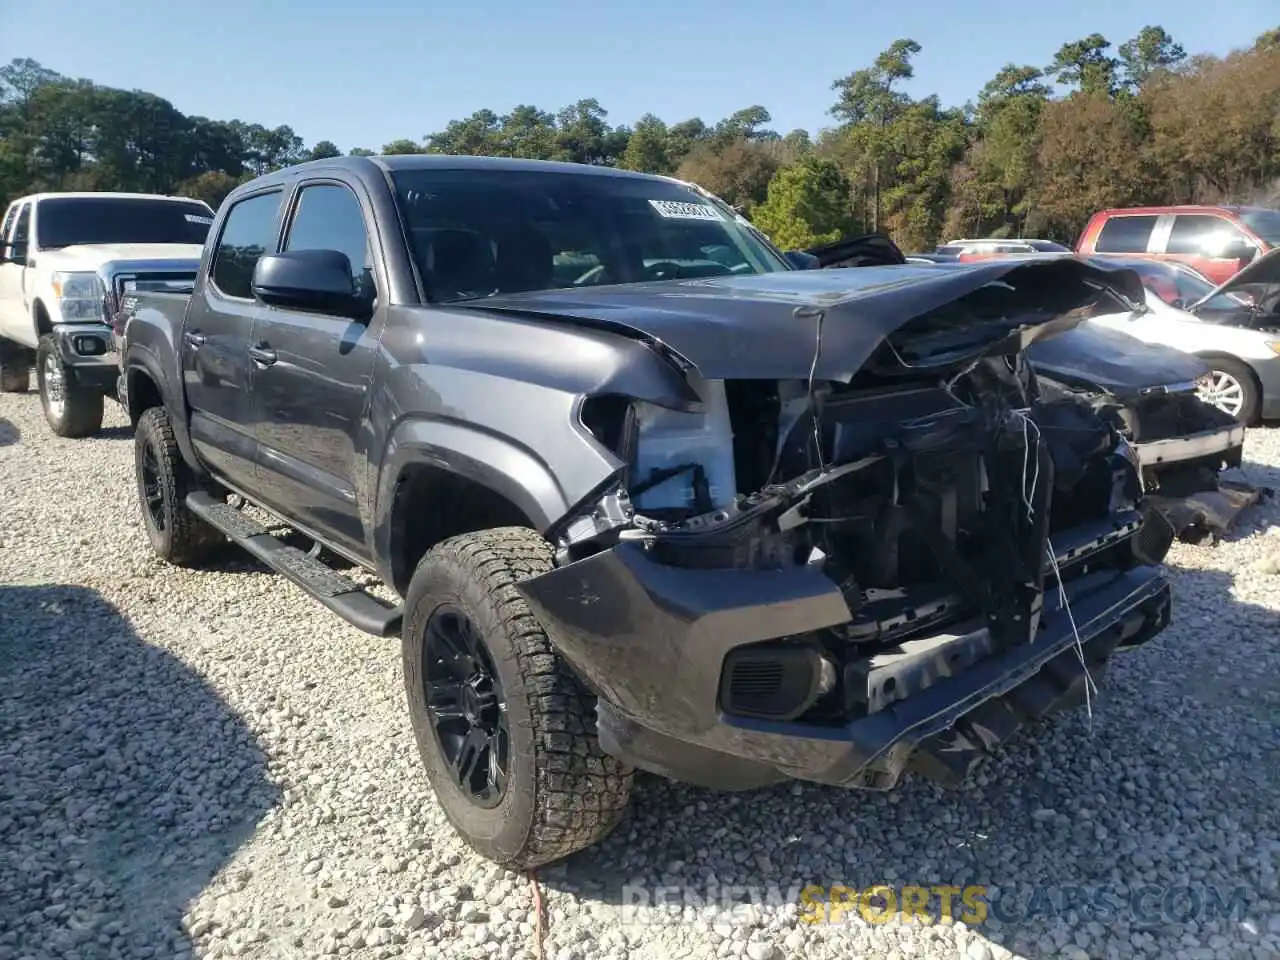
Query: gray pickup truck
654	495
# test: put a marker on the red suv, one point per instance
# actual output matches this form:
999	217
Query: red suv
1214	241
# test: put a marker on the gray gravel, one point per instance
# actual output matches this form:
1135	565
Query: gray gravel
207	764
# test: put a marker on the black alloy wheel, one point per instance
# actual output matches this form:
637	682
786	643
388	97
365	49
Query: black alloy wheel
152	487
467	707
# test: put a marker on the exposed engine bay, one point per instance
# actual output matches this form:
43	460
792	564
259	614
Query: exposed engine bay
932	494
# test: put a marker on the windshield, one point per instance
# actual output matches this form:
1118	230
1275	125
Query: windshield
1265	223
476	233
64	221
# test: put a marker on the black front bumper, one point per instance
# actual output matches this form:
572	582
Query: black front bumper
88	353
651	641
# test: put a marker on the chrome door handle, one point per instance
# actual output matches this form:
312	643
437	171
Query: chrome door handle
262	355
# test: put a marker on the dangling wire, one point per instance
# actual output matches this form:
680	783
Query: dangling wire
819	316
1090	688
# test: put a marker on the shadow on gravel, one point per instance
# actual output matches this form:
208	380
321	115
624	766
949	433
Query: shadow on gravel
9	434
1149	832
126	783
115	433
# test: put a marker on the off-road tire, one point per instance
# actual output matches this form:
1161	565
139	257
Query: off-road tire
15	368
185	539
563	792
82	408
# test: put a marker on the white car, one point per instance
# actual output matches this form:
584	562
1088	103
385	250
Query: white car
65	260
1234	328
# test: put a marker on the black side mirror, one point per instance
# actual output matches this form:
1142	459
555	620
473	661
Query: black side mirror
802	261
315	280
1239	250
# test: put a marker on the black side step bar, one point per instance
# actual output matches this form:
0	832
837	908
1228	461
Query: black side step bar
339	593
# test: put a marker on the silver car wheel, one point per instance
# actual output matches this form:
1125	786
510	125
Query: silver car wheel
54	386
1223	391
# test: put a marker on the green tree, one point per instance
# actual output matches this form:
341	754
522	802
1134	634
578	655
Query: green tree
868	104
1087	65
798	142
648	149
746	124
324	150
401	146
807	204
993	190
528	132
684	136
869	95
1151	50
21	78
1092	157
212	187
477	135
922	145
739	173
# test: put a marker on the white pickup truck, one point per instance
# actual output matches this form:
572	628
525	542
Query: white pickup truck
65	261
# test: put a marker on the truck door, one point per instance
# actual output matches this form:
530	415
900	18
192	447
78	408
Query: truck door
312	377
216	367
15	312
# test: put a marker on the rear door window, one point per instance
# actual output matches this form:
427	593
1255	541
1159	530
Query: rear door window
1202	235
249	232
1125	234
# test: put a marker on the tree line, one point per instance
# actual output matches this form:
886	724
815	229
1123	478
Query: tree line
1037	151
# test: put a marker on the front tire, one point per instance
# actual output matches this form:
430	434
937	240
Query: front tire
164	480
70	408
1232	388
15	368
505	730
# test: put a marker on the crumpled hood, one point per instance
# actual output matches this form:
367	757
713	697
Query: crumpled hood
91	256
764	327
1122	365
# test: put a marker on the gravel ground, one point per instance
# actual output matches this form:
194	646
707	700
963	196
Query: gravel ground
206	764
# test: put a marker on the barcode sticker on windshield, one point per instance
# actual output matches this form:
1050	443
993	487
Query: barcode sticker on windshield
193	218
676	210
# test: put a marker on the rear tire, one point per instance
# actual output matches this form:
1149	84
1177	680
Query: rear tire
70	408
164	480
15	368
560	792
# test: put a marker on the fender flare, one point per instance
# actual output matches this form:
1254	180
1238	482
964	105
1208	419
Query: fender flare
490	461
141	360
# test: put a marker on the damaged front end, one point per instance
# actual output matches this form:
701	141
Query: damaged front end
1182	445
839	581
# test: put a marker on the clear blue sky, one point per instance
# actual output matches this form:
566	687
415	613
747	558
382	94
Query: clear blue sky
364	72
